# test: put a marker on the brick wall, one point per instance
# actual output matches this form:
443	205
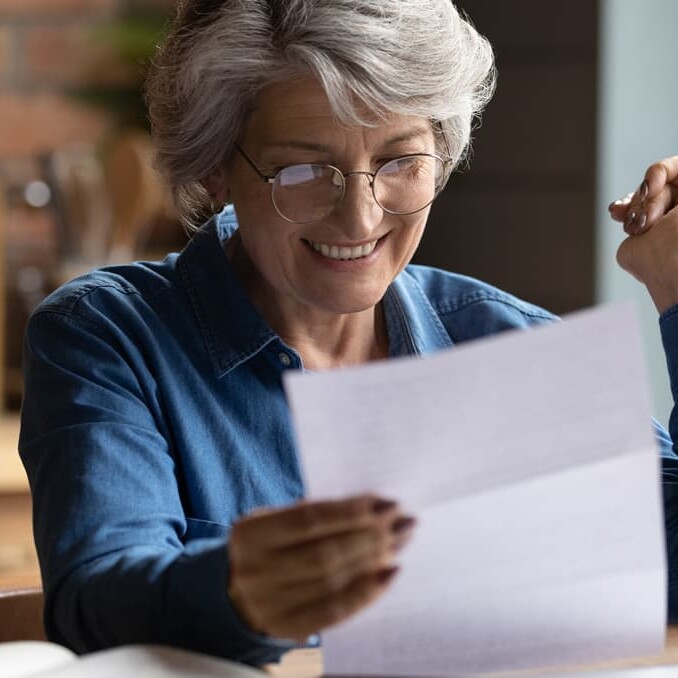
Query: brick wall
48	48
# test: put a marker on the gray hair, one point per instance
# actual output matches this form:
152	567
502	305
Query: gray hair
409	57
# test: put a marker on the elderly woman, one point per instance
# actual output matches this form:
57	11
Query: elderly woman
155	432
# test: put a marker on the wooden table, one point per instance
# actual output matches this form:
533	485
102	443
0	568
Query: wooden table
12	475
308	663
18	561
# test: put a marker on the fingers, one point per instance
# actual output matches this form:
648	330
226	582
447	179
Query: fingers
643	214
293	566
662	202
308	521
661	173
301	622
656	195
333	561
351	554
650	218
619	208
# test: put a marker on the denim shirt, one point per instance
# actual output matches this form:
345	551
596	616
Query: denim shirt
154	416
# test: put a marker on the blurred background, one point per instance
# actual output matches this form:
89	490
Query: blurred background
74	150
77	189
585	101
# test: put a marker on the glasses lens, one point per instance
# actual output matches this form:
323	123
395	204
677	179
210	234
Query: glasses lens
304	193
408	184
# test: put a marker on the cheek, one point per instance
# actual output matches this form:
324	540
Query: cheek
269	245
412	232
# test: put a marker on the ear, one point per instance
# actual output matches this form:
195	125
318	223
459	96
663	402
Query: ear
217	186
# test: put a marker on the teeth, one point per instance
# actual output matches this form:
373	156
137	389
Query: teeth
343	253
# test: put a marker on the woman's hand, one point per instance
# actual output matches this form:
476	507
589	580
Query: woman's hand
298	570
650	218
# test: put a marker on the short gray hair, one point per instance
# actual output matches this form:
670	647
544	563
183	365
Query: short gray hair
410	57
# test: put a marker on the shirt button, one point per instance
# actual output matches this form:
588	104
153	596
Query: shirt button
284	359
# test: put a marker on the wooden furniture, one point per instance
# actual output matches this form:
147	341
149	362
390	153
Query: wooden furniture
18	561
136	194
12	475
21	615
3	287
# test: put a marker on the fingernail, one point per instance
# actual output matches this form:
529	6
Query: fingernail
383	506
643	191
641	222
384	576
403	525
630	221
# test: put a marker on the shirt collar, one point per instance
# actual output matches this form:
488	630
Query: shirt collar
234	331
414	327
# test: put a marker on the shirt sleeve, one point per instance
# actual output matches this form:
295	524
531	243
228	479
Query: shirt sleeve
110	526
668	323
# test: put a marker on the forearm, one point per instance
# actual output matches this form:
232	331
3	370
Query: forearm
121	560
147	595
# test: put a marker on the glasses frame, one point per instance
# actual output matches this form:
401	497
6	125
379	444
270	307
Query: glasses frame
271	179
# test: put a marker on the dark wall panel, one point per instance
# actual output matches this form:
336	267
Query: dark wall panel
531	246
522	215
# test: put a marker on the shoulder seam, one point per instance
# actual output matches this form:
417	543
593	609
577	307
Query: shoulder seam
73	298
69	315
480	297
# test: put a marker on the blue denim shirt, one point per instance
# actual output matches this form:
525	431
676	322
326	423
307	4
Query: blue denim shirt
154	417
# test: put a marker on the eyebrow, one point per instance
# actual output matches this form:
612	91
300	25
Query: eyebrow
323	148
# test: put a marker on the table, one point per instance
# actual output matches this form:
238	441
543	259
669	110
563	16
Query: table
18	561
12	474
308	663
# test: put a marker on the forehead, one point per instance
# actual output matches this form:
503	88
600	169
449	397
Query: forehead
299	109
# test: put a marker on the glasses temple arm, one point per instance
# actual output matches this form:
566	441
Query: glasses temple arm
250	162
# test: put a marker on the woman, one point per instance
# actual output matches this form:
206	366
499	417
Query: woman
155	430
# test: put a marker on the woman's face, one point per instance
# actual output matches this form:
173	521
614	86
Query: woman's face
293	123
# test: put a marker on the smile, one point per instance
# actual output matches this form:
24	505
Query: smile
343	253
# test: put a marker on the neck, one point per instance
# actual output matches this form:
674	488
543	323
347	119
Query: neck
323	339
337	340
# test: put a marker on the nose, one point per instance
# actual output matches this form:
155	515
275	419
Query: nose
358	215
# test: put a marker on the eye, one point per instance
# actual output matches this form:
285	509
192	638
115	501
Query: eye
295	175
408	164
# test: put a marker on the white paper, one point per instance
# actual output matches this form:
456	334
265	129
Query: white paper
22	658
148	661
530	462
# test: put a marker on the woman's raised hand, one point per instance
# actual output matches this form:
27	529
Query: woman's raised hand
650	219
298	570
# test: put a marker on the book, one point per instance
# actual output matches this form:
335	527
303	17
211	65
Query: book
36	659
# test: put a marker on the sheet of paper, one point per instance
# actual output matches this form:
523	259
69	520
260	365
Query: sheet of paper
530	463
147	661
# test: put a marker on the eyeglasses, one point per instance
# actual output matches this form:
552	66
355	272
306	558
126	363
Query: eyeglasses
308	192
